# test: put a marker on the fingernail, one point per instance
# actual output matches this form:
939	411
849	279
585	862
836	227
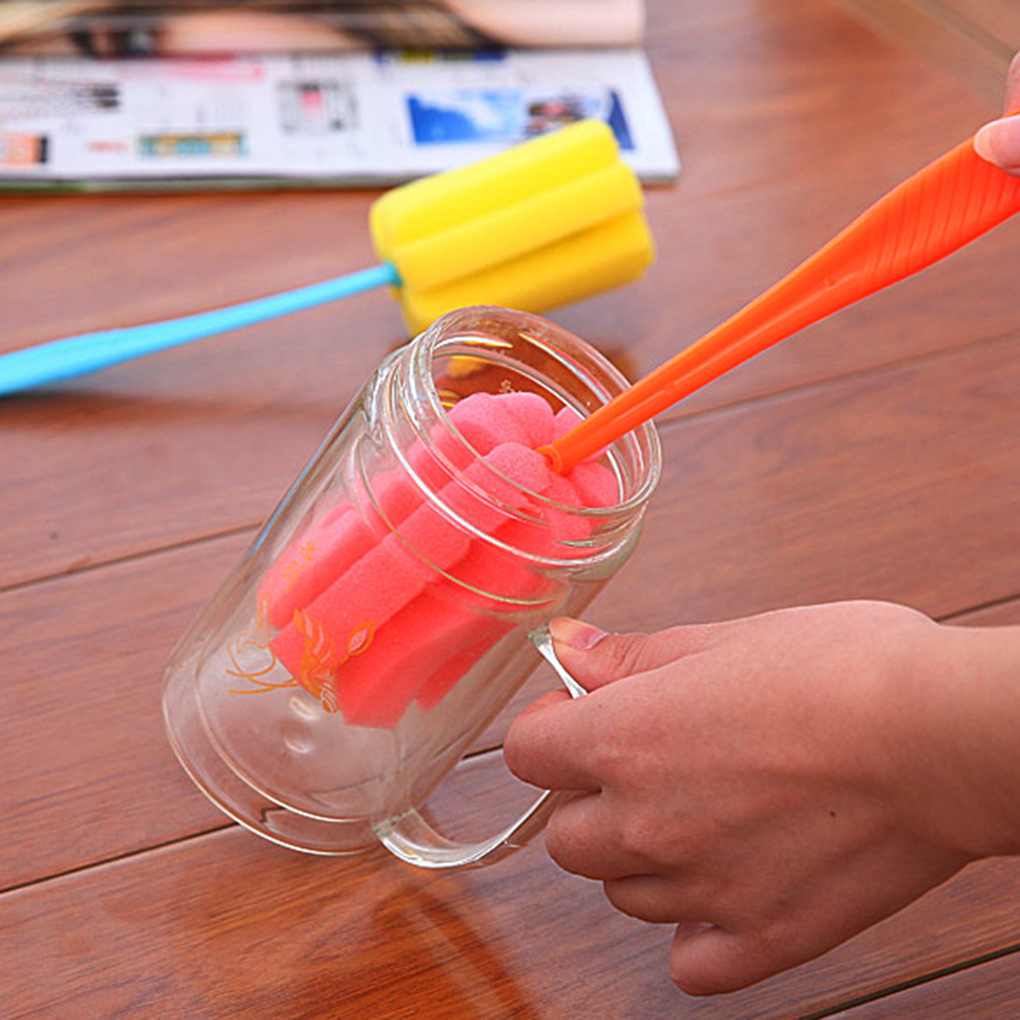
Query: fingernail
999	142
575	633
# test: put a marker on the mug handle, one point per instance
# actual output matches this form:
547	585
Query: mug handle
415	841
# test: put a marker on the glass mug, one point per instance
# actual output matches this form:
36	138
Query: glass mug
396	598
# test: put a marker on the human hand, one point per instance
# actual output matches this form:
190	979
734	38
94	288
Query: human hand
772	785
999	141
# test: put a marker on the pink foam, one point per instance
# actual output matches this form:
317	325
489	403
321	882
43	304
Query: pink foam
566	418
596	485
376	689
507	475
332	545
533	416
485	419
395	571
453	668
363	602
478	429
484	620
439	635
566	526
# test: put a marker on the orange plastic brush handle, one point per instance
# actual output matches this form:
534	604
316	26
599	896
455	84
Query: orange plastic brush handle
950	202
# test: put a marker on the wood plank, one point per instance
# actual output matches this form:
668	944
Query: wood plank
867	487
900	485
88	773
364	936
203	440
197	442
986	992
220	459
874	456
973	39
806	92
993	25
1002	614
999	19
227	923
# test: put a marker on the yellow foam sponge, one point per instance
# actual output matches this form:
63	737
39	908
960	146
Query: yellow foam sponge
551	221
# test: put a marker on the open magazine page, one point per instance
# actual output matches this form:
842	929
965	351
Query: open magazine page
152	27
307	119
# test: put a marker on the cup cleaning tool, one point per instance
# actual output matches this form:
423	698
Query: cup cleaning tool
551	221
952	201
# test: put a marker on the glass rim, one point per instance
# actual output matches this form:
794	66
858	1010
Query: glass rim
640	448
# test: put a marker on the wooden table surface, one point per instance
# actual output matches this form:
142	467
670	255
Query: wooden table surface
875	455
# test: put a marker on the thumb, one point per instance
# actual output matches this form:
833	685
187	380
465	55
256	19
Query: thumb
594	658
999	143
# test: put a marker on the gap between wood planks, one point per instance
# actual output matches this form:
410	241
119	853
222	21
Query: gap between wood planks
834	1012
669	419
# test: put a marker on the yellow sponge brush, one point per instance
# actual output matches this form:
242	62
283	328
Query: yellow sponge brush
546	223
551	221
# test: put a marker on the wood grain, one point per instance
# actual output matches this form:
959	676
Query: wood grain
974	38
979	993
796	499
217	430
873	456
88	772
1000	614
227	924
998	19
801	499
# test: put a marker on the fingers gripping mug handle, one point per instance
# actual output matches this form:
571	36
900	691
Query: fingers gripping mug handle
415	841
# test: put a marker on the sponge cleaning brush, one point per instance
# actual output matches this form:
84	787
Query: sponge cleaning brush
549	222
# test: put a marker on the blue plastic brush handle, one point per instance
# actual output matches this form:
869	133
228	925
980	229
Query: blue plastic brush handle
76	355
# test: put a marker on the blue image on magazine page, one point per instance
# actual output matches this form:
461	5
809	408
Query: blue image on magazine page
507	116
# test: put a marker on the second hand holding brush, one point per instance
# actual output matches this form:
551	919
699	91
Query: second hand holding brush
949	203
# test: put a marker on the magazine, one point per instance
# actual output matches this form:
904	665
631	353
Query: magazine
311	119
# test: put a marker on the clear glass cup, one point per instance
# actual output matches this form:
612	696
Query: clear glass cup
396	598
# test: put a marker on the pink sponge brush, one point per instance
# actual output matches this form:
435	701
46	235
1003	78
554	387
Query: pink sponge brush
472	623
441	633
476	622
376	689
532	415
377	607
378	584
565	419
330	547
445	630
595	486
323	553
484	420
